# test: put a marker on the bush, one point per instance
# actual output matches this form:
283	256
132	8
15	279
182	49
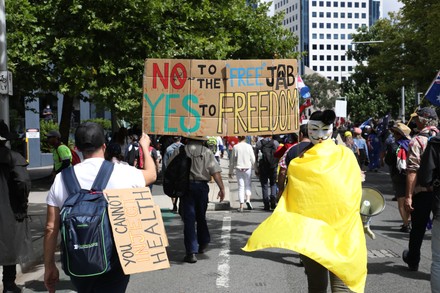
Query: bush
106	124
45	127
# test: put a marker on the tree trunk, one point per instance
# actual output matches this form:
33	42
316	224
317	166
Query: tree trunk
65	118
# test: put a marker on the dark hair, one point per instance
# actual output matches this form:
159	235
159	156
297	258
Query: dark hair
303	130
327	116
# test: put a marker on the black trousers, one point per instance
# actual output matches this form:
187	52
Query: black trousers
422	204
9	274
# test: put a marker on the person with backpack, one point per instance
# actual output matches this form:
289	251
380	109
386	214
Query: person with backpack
62	155
90	140
194	202
169	151
134	153
266	170
395	158
418	199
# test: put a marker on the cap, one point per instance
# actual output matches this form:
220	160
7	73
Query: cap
53	133
357	130
347	133
89	136
426	112
402	129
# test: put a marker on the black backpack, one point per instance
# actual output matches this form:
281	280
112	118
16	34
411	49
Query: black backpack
87	247
268	150
176	177
133	154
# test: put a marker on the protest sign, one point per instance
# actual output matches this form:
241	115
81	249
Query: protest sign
138	230
220	97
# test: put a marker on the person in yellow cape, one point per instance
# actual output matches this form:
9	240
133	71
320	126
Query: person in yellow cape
318	213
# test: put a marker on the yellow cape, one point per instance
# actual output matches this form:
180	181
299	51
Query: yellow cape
318	214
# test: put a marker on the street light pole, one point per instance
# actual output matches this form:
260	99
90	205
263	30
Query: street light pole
4	98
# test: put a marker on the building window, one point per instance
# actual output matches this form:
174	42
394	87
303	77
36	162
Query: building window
356	4
356	15
314	36
321	57
329	47
335	25
336	57
349	36
335	47
342	14
328	36
321	68
314	25
342	57
321	14
329	25
342	68
350	15
328	4
315	47
335	36
350	26
335	68
335	14
321	3
321	36
321	25
321	47
349	4
342	36
314	58
343	47
350	68
364	15
342	25
313	3
315	68
329	58
329	68
342	4
328	14
336	79
335	4
314	14
364	5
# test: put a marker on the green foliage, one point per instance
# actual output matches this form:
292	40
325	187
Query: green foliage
106	124
323	91
408	56
99	46
45	127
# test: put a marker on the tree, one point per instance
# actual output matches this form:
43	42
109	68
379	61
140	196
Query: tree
323	91
99	46
408	56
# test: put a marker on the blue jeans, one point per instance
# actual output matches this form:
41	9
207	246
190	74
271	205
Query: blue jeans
268	180
194	205
435	248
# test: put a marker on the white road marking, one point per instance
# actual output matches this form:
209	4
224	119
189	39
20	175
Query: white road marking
224	255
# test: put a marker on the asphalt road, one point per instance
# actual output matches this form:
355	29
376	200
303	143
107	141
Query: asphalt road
226	268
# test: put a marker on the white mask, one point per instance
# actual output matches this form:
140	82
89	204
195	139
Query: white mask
318	131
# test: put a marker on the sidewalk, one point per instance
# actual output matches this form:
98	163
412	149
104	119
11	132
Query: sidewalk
41	183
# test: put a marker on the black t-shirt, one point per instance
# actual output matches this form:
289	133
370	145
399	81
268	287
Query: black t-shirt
296	150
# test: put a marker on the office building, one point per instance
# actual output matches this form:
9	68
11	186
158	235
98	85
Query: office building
325	29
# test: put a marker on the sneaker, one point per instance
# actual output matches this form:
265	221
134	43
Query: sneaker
273	204
190	258
240	210
405	228
405	259
249	205
266	207
202	247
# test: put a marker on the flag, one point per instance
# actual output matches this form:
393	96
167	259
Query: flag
305	105
433	93
365	123
303	89
383	124
326	228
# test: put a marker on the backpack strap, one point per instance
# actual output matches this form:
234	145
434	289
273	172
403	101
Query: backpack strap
103	176
72	185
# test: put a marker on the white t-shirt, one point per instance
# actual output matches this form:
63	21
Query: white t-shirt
123	176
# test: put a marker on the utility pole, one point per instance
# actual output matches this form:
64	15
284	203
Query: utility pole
4	76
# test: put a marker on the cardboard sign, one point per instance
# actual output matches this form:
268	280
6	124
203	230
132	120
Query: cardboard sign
138	230
220	97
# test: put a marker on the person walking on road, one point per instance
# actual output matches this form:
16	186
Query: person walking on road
90	140
362	147
428	176
165	160
395	157
195	202
15	238
318	213
266	170
418	199
242	160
